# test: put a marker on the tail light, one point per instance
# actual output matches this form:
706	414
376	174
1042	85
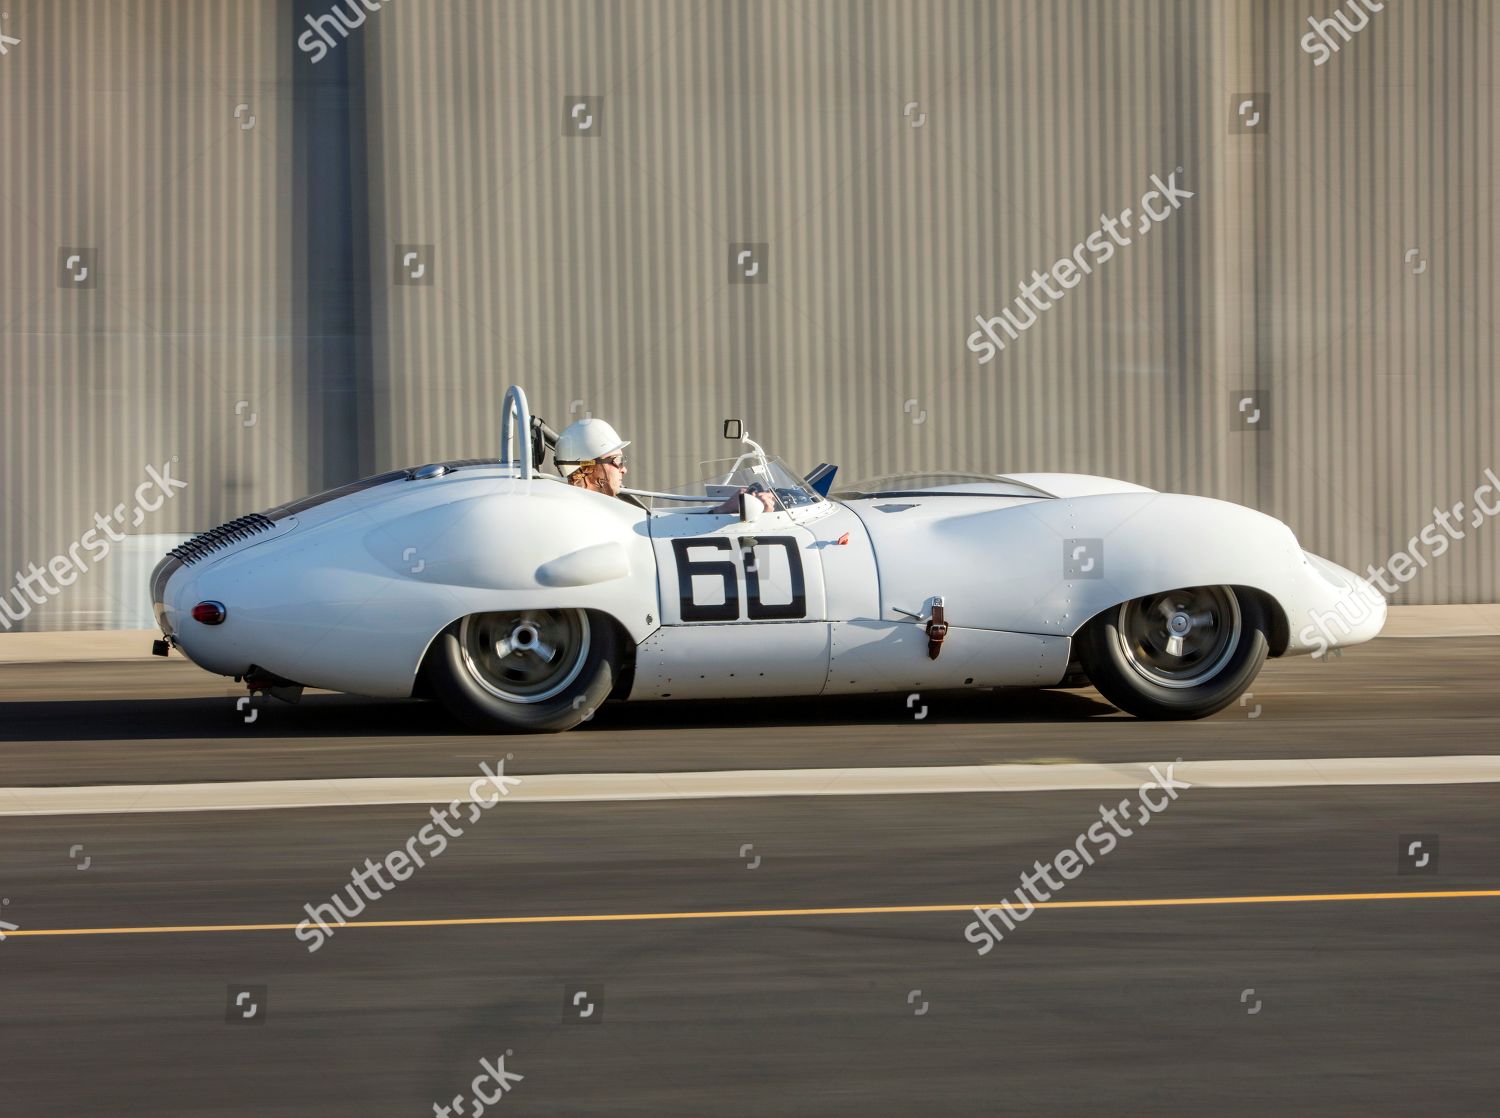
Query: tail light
210	613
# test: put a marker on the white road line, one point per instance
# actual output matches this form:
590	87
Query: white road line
608	787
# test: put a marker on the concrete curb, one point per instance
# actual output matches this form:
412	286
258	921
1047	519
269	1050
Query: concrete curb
277	795
135	644
54	648
1443	621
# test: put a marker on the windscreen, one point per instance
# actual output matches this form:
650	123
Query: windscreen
724	477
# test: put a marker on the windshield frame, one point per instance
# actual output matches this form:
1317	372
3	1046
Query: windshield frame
724	477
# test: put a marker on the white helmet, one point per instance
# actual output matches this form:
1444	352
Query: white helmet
585	442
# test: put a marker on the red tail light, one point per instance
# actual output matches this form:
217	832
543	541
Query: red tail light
210	613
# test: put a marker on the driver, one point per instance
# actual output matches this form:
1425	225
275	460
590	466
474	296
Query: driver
588	454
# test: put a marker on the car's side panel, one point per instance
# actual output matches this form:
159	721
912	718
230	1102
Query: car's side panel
849	572
737	619
892	656
952	546
732	660
870	654
352	605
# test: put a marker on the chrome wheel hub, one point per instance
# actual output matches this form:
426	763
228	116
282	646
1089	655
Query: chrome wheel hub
1182	638
525	656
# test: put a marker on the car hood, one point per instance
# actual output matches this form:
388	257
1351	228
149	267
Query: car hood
1076	485
1024	485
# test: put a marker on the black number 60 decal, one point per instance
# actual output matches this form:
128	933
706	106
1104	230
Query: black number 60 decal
728	572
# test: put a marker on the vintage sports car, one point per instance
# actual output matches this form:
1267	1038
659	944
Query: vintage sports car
522	603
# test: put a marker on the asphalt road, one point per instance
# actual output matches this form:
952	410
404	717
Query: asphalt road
166	721
1355	1007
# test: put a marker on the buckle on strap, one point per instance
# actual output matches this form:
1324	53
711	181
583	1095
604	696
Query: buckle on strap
937	629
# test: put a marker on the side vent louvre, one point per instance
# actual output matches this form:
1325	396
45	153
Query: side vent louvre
225	535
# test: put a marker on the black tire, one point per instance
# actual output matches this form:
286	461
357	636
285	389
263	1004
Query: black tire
491	688
1128	652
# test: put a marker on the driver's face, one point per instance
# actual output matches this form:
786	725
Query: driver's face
614	474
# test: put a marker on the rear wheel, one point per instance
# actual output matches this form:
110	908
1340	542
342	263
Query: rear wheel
532	671
1180	654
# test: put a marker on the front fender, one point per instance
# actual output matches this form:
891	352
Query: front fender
1143	544
1048	566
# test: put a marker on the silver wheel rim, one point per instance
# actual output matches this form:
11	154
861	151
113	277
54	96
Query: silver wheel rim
525	656
1182	638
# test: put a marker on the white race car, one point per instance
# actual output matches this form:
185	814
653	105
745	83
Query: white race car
522	603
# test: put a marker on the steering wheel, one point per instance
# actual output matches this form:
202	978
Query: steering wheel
787	497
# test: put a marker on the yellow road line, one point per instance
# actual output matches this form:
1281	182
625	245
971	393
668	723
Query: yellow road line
754	913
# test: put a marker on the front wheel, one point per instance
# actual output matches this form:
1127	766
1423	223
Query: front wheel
531	671
1181	654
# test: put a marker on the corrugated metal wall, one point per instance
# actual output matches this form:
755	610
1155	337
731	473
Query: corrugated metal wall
120	140
594	265
1375	231
597	269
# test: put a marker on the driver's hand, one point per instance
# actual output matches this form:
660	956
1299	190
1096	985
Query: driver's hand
732	504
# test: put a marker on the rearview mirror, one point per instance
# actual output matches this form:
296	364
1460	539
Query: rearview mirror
734	430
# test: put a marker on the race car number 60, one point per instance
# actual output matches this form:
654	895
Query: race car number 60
726	569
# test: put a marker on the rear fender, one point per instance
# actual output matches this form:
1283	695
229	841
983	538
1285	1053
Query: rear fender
354	606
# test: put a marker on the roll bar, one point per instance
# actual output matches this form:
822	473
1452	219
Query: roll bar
514	411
